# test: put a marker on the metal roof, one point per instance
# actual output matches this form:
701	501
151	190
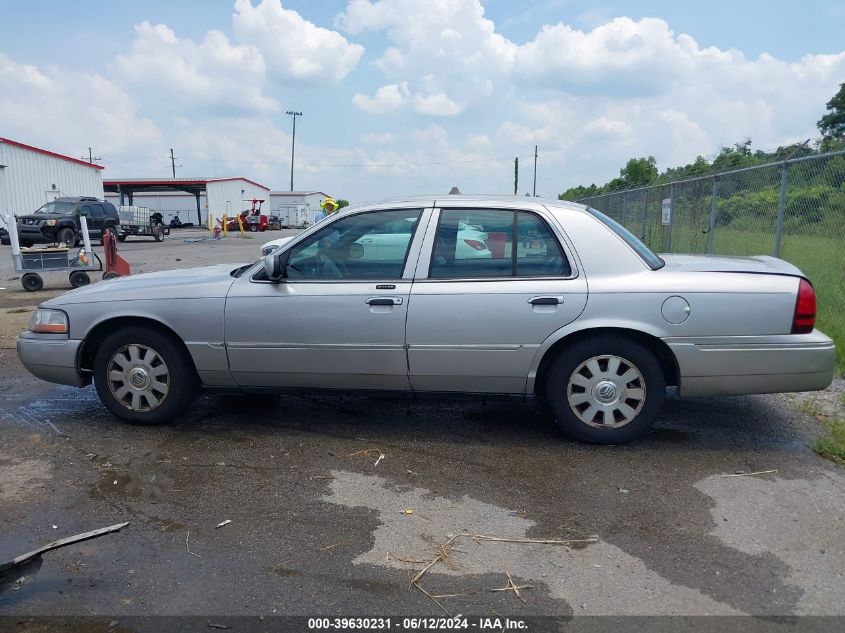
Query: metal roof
46	152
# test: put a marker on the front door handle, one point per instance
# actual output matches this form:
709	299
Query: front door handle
384	301
545	301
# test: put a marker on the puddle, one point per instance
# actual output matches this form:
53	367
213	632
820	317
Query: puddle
111	483
595	579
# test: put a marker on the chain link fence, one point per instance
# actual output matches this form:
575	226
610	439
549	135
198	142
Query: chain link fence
794	209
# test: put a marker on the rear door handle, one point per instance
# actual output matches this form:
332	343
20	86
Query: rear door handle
384	301
545	301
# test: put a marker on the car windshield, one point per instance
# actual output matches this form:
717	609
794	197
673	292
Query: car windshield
649	257
57	208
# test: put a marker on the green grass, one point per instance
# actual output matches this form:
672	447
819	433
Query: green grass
832	444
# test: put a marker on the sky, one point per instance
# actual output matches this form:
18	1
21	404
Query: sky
404	97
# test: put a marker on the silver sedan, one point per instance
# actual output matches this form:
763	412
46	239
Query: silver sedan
564	305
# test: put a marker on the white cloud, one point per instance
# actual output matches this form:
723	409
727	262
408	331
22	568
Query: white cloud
605	126
378	138
387	99
436	105
192	76
69	111
451	40
293	47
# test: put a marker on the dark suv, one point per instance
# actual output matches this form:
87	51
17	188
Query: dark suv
58	221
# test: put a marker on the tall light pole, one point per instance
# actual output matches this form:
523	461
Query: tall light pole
294	114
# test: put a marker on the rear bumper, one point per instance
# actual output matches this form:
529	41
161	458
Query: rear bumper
50	357
734	365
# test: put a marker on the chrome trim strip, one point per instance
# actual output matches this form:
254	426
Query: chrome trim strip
320	346
472	348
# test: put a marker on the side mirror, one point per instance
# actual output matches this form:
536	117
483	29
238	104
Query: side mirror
273	267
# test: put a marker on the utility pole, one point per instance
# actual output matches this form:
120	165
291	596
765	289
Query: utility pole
515	174
172	162
535	172
294	114
90	158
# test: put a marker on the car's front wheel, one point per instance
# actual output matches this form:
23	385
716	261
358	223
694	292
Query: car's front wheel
605	389
67	236
143	376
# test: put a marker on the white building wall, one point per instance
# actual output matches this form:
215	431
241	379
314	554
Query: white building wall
27	181
238	193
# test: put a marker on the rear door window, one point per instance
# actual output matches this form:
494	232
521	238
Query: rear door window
495	243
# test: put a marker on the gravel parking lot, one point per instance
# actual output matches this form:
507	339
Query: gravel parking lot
336	503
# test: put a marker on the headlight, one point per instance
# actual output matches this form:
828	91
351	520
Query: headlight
48	322
50	223
266	250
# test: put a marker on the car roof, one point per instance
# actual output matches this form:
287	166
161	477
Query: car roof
466	200
77	199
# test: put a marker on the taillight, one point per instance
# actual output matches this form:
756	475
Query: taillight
479	246
805	309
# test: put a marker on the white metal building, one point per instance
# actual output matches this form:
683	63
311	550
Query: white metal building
196	197
168	203
31	177
296	208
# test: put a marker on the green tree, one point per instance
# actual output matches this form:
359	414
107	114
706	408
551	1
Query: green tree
342	203
639	171
832	124
578	193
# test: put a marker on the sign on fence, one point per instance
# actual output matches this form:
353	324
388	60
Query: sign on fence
666	211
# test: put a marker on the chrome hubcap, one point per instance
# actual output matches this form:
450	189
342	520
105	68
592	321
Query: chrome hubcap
606	392
138	377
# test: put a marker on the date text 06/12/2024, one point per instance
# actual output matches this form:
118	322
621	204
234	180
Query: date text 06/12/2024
417	624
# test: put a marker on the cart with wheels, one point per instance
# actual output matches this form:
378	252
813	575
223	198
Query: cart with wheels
34	261
77	262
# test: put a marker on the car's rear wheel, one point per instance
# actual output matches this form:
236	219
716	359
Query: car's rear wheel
605	389
143	376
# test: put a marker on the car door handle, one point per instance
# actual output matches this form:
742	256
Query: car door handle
545	301
384	301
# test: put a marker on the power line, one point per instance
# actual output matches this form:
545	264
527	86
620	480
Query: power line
403	164
90	158
293	114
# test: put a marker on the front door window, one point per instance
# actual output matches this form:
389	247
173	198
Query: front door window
358	247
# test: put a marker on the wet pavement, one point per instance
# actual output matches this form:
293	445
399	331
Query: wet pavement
319	528
320	524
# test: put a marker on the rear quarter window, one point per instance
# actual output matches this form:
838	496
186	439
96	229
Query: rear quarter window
646	254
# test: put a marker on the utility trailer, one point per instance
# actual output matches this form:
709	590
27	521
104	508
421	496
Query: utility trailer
139	222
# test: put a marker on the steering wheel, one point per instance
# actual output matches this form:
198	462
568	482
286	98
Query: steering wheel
329	266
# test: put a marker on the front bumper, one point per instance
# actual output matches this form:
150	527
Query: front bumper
735	365
50	357
34	234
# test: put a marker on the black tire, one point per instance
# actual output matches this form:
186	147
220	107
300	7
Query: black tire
79	278
32	282
67	235
181	378
25	243
110	274
111	230
121	238
571	408
253	228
